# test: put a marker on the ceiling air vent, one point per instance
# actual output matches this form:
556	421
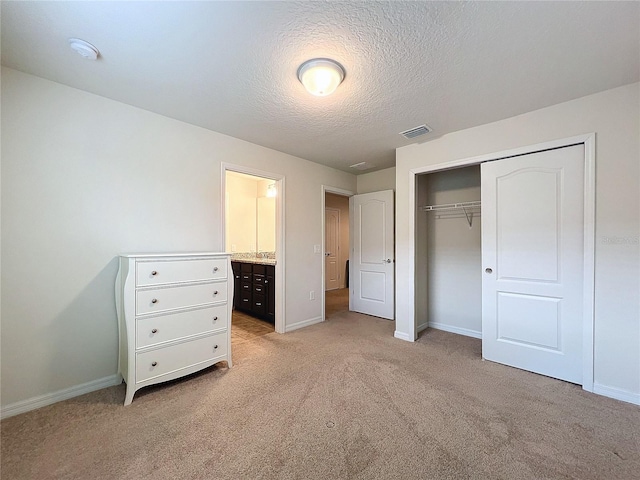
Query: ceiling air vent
415	132
362	166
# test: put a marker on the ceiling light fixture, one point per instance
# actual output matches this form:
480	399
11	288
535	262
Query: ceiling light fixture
321	76
84	49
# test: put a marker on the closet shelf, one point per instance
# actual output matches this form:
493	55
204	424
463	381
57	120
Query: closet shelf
450	206
469	208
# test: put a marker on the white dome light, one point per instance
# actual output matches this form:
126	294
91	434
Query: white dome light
84	49
321	76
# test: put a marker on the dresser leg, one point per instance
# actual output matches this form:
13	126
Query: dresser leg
229	362
129	396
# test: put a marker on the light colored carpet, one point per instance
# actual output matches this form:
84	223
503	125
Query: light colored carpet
342	399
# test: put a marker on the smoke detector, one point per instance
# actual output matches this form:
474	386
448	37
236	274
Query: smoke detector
416	132
84	49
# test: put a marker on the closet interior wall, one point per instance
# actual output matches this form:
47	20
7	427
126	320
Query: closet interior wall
448	253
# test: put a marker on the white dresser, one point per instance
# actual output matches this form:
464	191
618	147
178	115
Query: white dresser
174	315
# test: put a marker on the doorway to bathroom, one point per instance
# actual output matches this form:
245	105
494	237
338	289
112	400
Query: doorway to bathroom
252	233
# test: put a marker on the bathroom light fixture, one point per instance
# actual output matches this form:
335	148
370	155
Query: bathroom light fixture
321	76
84	49
271	190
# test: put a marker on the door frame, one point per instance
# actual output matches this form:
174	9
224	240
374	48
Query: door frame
339	255
588	320
280	279
324	189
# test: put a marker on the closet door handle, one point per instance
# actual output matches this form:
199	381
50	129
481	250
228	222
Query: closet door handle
388	260
488	270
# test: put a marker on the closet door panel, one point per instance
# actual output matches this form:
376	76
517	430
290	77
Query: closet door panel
532	255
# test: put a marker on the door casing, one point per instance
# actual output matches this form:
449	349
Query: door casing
588	140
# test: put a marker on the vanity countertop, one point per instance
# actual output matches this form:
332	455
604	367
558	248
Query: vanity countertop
244	258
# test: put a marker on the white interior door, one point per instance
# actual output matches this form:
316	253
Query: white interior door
332	248
532	256
372	259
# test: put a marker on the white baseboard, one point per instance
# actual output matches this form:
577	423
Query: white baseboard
422	327
403	336
302	324
50	398
617	393
460	331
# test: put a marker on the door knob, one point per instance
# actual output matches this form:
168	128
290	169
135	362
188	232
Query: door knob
388	260
327	254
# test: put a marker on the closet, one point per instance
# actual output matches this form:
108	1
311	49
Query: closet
502	254
448	251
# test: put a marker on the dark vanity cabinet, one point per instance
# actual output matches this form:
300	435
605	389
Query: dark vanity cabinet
254	289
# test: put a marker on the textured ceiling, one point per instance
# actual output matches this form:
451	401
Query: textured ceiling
231	66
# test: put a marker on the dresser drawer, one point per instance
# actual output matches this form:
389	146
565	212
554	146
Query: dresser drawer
177	271
164	328
169	298
176	357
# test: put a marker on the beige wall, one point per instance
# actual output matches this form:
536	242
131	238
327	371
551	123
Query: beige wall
377	181
266	224
342	204
85	178
250	215
614	116
241	217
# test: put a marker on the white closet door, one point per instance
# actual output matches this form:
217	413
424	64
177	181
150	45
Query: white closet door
532	256
373	254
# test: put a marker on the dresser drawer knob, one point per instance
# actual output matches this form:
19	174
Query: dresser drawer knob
154	273
155	300
215	346
215	269
215	292
155	330
215	318
153	364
